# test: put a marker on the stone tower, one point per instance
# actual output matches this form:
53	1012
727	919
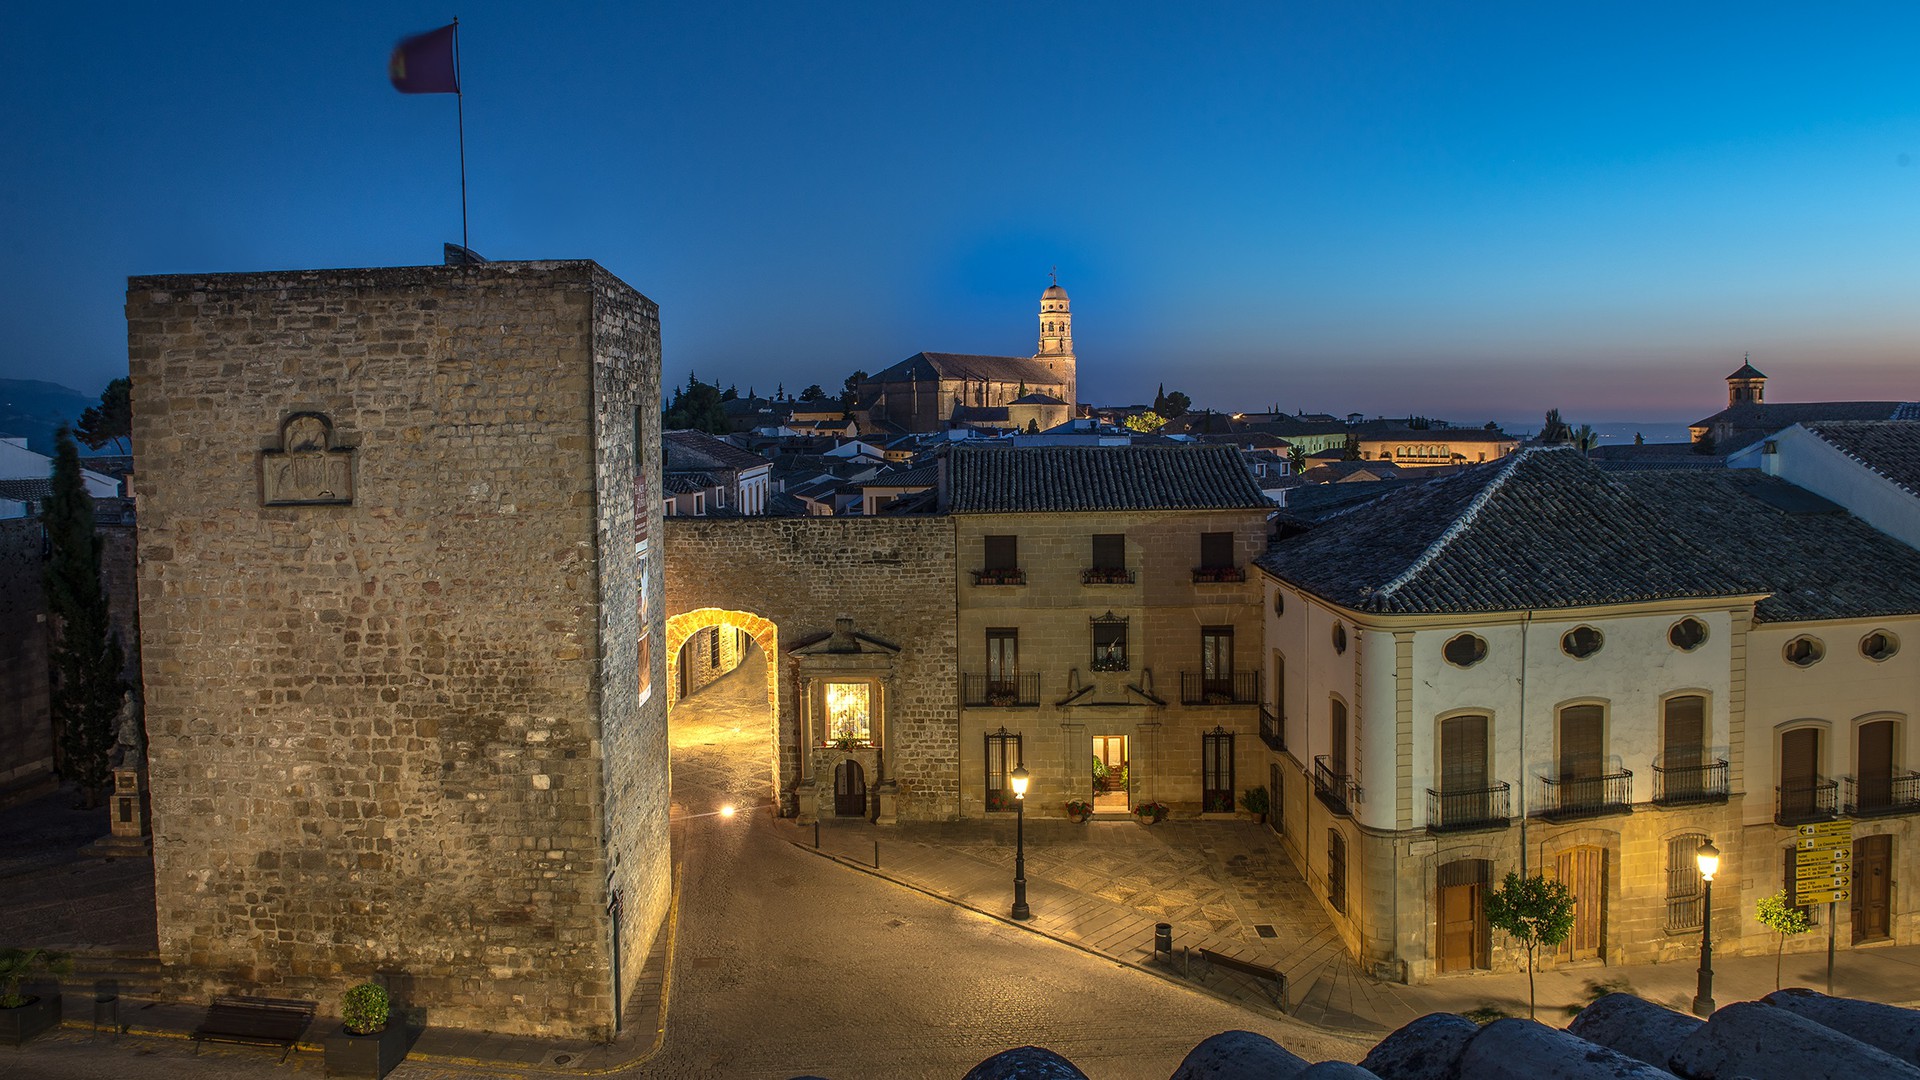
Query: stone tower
403	715
1056	338
1746	386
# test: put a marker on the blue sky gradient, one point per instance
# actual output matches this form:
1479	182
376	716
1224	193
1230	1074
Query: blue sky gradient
1475	211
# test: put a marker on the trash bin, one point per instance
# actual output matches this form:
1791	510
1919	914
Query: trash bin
1163	939
106	1005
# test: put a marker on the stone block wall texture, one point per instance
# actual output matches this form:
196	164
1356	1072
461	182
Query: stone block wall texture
696	661
894	577
26	727
402	736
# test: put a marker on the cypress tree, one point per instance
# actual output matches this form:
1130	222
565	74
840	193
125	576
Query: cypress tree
85	658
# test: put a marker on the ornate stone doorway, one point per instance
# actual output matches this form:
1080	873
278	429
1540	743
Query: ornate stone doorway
849	789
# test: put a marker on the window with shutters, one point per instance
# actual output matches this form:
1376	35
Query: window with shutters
1216	661
1003	753
1337	735
1683	882
1110	551
1000	562
1682	771
1003	660
1216	771
1466	795
1874	781
1216	550
1803	794
1337	870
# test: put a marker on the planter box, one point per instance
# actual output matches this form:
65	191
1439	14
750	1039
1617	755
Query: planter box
37	1015
372	1055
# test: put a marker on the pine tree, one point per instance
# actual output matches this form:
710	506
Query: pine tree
111	421
86	657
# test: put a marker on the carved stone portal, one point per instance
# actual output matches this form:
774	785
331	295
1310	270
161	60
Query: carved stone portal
308	469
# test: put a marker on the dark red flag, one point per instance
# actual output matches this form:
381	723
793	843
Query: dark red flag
424	64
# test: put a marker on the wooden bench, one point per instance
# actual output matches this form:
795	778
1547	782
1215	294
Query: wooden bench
1277	993
267	1021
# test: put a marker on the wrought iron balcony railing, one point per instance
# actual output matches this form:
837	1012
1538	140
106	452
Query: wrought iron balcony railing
1896	792
1678	785
1802	801
1272	731
1219	573
979	691
1000	577
1234	688
1474	808
1106	575
1336	789
1565	798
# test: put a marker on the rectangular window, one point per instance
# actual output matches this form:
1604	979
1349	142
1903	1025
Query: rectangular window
1216	659
1003	660
1110	551
1800	785
1002	553
1216	551
1003	753
849	712
1279	685
1684	734
1216	771
1337	870
1109	642
1337	735
1683	882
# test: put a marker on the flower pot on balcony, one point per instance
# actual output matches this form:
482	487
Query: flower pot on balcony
23	1022
372	1055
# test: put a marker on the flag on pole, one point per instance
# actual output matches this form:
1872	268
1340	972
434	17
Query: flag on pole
424	64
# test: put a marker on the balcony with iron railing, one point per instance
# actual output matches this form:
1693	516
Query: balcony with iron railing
1571	797
1801	801
1106	575
1020	691
1681	785
1233	688
1005	576
1336	789
1894	792
1472	808
1273	731
1228	574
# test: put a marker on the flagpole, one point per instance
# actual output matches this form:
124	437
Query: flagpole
460	111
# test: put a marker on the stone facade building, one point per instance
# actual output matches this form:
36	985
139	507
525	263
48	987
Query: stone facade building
394	617
932	391
1535	666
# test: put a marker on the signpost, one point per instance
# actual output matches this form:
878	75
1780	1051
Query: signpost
1823	871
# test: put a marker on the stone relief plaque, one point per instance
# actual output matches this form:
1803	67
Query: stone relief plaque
308	469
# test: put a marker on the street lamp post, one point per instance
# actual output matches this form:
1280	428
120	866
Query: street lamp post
1020	842
1708	859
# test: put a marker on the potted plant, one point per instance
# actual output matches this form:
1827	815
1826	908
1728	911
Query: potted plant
370	1041
1254	801
1151	813
1079	810
22	1016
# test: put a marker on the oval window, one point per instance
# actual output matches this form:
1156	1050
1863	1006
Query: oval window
1581	642
1339	638
1879	645
1688	634
1804	651
1465	650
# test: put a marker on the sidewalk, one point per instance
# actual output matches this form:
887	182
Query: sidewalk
1102	887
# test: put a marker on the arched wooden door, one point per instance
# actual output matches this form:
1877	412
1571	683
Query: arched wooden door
850	790
1583	870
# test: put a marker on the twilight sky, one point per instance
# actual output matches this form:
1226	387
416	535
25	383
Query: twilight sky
1474	211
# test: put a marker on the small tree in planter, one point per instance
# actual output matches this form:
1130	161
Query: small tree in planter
1254	801
22	1016
368	1043
1776	915
1535	911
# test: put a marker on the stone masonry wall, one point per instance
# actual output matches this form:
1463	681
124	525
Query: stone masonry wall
894	577
398	736
697	657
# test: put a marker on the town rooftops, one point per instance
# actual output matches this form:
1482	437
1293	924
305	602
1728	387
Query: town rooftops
698	451
1762	419
934	366
1068	478
1545	529
1541	528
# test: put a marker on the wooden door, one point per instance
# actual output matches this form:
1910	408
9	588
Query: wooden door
1460	894
1464	772
1872	888
1875	777
850	790
1583	869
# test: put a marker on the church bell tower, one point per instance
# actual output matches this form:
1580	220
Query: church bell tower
1056	337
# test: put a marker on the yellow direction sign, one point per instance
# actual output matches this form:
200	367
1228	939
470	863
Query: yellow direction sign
1823	863
1842	827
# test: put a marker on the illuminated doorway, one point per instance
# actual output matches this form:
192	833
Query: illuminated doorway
1111	776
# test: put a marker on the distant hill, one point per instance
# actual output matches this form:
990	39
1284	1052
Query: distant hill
36	409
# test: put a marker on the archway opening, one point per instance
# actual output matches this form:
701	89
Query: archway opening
722	708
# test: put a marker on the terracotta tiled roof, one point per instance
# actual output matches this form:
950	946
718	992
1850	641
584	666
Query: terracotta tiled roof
1766	419
933	366
1890	448
1043	478
697	450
